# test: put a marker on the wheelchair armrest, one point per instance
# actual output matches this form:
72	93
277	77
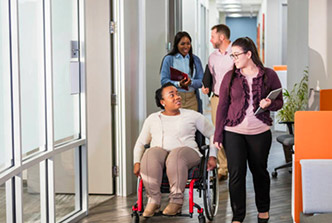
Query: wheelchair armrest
205	147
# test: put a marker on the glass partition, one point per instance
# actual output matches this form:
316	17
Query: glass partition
31	54
6	154
3	203
31	194
67	198
65	70
25	31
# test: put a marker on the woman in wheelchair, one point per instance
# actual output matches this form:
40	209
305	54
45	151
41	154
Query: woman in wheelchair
171	135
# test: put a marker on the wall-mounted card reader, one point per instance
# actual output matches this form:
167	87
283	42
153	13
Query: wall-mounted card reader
74	49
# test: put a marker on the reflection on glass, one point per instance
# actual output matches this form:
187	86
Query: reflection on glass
31	194
65	70
32	75
65	194
5	100
3	203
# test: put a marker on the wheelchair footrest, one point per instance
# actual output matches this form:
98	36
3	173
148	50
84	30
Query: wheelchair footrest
199	209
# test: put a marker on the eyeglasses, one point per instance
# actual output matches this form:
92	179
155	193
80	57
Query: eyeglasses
236	56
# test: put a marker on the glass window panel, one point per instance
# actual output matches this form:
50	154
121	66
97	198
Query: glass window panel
67	199
3	203
31	45
31	194
65	70
5	94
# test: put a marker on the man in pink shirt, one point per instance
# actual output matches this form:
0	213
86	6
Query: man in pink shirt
219	64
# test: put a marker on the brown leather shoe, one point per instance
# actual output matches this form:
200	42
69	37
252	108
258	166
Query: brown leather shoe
150	210
222	177
172	209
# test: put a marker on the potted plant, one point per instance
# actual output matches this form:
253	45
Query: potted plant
294	100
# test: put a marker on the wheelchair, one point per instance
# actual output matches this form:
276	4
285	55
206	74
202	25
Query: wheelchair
199	178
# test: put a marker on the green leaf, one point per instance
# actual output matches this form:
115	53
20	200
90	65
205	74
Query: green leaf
295	100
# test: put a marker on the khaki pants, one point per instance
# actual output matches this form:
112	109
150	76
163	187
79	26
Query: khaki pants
189	100
178	162
221	153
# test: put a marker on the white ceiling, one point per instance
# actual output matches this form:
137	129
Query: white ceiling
238	8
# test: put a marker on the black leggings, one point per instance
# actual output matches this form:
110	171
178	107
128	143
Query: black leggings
255	149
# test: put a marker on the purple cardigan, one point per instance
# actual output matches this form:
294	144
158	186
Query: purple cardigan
232	108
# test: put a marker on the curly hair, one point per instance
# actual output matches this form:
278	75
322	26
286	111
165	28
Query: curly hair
158	94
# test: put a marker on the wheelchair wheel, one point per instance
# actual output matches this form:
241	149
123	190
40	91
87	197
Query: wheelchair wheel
135	218
211	193
274	174
201	219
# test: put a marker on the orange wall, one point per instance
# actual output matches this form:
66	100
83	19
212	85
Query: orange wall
325	100
313	140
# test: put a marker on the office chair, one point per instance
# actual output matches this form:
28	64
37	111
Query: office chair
287	142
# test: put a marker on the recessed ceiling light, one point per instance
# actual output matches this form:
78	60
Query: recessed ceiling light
235	15
230	2
231	6
233	10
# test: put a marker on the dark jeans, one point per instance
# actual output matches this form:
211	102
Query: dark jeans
255	149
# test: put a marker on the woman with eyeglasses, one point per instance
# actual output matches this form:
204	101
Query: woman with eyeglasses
245	136
181	57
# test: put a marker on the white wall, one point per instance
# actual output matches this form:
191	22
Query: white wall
272	31
156	37
297	35
131	72
320	46
98	71
213	20
272	38
190	21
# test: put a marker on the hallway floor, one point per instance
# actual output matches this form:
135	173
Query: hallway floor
118	209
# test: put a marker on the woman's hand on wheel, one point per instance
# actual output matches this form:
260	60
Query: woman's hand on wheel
212	163
137	167
218	145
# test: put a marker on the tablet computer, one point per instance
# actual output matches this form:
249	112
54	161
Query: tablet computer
272	95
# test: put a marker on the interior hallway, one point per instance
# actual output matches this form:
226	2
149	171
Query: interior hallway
118	209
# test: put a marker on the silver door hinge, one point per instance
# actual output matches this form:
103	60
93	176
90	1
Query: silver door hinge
112	27
115	171
114	99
